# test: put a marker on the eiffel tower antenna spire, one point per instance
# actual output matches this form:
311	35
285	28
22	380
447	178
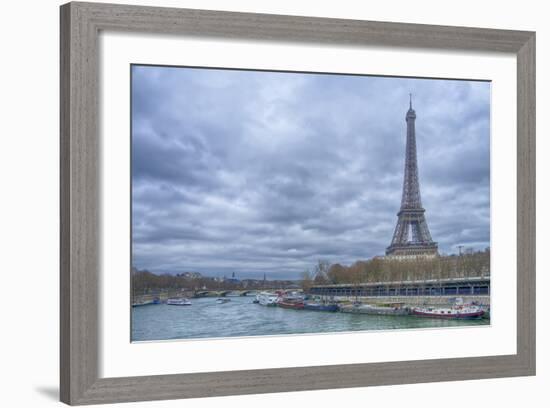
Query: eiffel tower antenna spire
411	237
410	101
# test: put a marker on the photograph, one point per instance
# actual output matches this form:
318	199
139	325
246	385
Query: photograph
290	203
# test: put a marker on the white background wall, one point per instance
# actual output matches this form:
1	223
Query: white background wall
29	201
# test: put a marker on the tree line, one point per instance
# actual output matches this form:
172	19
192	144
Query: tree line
146	282
387	269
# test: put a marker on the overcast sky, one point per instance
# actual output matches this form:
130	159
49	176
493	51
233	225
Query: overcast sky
252	172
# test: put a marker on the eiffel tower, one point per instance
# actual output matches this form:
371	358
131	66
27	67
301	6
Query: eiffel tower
411	237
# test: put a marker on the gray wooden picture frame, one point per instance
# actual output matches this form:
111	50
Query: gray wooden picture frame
80	234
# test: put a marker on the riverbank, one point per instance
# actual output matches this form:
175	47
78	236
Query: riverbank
412	301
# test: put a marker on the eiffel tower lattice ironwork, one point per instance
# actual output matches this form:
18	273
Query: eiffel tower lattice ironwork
411	236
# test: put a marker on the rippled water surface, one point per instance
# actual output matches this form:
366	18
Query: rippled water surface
240	317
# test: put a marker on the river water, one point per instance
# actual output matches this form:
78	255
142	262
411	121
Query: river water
240	317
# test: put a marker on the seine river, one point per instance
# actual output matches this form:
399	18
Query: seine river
240	317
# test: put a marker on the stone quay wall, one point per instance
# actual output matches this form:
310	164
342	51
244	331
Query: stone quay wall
417	300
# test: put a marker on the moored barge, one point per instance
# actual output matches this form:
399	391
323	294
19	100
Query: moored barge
321	307
291	304
457	312
360	308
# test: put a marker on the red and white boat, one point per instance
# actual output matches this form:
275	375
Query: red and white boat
458	311
291	300
291	304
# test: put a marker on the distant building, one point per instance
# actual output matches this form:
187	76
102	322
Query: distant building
232	279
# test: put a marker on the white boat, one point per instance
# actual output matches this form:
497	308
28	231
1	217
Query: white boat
267	298
222	300
294	296
178	302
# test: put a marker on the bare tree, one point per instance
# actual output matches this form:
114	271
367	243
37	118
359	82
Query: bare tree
321	272
307	281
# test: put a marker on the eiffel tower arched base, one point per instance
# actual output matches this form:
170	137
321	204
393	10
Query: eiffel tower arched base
412	251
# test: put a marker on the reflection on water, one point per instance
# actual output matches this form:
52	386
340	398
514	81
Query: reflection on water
240	317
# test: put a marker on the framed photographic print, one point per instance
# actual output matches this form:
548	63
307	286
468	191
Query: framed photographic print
261	187
281	186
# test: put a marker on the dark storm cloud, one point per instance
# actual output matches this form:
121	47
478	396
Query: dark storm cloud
259	172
